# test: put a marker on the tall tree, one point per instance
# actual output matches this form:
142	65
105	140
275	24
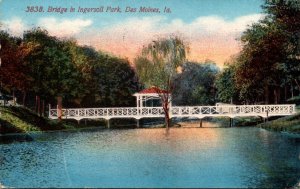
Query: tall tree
269	61
195	84
13	69
225	84
108	80
81	66
116	81
52	69
37	62
286	14
63	78
158	65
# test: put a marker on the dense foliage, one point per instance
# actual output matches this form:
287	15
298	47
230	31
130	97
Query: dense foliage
195	85
44	67
267	70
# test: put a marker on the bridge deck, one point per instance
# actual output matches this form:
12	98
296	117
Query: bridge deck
176	111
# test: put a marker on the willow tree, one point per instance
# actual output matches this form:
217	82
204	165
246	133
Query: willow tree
157	66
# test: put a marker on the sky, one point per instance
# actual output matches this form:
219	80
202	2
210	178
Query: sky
210	27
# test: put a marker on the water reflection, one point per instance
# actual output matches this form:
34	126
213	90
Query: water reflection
6	139
183	157
196	124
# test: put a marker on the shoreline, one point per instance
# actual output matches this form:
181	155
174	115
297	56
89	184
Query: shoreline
287	124
20	120
292	134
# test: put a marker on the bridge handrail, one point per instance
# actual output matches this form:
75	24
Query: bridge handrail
177	111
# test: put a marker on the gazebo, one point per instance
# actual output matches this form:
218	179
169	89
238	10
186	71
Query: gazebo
150	97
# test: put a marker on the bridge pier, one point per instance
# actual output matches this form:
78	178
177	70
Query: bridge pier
108	124
200	122
138	123
230	122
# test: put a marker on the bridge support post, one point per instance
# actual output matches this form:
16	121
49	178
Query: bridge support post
108	123
138	123
200	122
265	120
230	122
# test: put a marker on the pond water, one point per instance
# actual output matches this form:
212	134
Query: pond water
183	157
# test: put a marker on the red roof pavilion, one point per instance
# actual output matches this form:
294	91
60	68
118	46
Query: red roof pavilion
152	90
148	94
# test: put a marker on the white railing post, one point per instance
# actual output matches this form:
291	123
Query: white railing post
49	113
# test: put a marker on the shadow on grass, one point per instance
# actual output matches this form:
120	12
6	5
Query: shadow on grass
30	117
6	127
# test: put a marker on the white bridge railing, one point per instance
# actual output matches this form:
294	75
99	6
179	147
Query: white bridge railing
176	111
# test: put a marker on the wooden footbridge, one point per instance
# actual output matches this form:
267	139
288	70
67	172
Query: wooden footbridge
176	111
142	111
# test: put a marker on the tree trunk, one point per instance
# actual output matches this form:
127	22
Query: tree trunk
59	108
297	84
167	115
24	98
36	103
285	93
267	94
292	90
14	97
43	107
275	97
39	106
167	119
278	91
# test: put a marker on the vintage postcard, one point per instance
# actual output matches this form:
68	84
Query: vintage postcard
150	94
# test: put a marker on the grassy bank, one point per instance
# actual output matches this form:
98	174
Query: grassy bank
287	124
23	120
